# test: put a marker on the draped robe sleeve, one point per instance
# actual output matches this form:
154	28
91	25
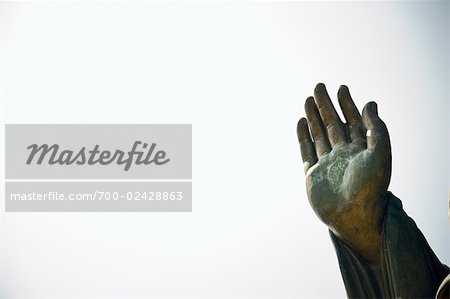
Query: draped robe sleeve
408	267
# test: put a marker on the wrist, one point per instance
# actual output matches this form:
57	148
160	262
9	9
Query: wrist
361	228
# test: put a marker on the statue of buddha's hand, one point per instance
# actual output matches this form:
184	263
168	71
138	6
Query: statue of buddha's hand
348	168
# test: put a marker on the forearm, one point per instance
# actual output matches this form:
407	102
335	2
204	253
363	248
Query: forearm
408	266
362	231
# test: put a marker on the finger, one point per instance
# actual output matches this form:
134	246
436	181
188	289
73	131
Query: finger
318	132
351	114
376	131
330	118
307	150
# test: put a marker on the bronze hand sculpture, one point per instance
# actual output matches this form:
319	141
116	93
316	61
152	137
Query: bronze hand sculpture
348	169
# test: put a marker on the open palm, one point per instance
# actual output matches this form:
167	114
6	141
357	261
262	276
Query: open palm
347	167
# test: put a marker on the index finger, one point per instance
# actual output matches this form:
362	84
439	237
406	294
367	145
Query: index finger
351	114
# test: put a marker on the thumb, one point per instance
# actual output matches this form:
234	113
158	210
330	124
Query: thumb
376	130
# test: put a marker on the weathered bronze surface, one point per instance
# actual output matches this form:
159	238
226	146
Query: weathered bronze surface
348	169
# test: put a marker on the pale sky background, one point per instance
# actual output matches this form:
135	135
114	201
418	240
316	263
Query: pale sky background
239	73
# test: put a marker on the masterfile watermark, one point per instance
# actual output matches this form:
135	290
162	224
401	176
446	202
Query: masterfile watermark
69	151
76	196
53	155
98	168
